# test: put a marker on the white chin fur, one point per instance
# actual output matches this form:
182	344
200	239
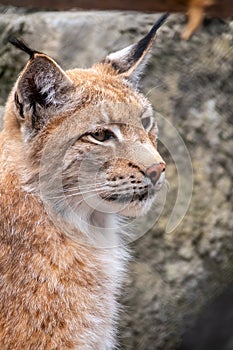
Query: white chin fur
136	209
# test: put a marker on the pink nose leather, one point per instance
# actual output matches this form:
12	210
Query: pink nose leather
154	172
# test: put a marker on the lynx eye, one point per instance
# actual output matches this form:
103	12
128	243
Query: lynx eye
147	123
103	135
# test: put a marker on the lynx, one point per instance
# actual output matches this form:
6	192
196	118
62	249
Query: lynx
78	154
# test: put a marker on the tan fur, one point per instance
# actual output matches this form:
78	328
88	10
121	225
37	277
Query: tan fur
58	286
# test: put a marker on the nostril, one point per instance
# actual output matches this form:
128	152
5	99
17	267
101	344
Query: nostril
163	167
154	171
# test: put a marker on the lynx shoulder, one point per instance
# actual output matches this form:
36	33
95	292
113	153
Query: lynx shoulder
78	154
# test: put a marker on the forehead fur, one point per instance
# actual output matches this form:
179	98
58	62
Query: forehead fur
106	97
100	84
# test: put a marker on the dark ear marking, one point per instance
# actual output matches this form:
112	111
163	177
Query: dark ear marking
41	90
144	42
130	61
19	106
21	45
142	45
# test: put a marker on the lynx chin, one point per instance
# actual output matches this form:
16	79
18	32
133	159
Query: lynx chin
78	155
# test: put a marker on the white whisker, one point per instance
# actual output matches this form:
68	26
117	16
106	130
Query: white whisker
153	88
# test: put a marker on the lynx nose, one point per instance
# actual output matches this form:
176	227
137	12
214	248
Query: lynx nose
154	172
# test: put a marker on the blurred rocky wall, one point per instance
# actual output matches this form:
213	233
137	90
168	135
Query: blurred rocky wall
174	273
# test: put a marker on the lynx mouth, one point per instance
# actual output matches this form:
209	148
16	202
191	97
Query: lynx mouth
132	197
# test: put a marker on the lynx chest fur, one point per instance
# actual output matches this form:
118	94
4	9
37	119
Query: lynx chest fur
78	156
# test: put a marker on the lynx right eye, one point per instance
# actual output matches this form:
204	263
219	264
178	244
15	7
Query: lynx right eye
103	135
147	123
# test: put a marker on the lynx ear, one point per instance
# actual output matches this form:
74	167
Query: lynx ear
130	61
41	86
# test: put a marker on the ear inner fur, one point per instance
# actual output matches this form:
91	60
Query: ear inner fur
41	86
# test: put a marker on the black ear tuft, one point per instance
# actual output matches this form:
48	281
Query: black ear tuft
141	46
130	61
21	45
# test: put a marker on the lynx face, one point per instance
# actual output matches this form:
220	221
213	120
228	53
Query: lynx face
114	166
89	137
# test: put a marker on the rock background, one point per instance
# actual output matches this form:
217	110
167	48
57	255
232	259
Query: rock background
173	276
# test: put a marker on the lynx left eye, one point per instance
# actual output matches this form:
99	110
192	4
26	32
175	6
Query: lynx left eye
103	135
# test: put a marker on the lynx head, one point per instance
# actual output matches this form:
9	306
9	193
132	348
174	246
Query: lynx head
88	135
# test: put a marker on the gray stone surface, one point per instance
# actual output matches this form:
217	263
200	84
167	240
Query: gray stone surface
173	275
